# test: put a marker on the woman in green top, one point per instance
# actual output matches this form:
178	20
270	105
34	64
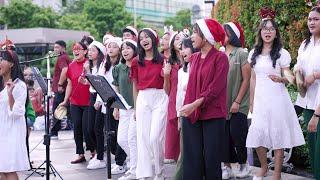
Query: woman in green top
127	134
238	101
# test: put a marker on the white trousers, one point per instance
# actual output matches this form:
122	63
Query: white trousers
151	116
127	137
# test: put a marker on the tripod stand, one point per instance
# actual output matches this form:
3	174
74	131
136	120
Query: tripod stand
46	138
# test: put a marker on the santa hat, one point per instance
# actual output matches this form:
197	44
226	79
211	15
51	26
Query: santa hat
237	29
172	36
106	37
100	46
153	32
132	29
130	41
116	40
212	30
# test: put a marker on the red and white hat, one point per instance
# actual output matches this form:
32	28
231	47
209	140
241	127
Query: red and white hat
130	41
106	37
132	29
212	30
153	32
100	46
237	29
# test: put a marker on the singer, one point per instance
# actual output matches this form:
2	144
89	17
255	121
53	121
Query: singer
13	99
59	82
78	92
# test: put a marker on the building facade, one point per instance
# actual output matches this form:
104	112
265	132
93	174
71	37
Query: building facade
154	12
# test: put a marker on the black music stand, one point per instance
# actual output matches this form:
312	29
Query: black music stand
111	100
46	138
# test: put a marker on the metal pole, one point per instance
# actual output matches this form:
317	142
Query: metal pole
134	14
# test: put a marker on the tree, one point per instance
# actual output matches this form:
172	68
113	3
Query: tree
181	20
108	15
74	7
24	14
45	17
77	21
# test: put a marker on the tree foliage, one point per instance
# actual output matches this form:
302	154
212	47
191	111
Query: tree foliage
24	14
108	15
79	22
291	18
95	16
181	20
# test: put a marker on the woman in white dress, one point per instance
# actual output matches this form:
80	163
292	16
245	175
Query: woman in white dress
13	96
274	121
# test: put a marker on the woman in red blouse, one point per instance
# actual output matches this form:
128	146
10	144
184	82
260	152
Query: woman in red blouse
172	142
205	108
77	92
151	105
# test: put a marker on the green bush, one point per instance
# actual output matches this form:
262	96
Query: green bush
291	18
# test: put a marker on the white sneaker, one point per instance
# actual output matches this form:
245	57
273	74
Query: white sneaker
118	170
227	173
128	176
93	159
97	164
244	172
113	165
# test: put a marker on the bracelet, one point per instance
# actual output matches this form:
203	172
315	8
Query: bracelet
237	102
316	115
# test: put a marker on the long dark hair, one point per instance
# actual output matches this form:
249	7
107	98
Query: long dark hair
173	59
16	71
108	64
276	45
100	58
187	43
123	61
308	38
233	38
157	58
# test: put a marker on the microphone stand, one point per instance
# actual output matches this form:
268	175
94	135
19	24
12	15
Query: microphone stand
47	137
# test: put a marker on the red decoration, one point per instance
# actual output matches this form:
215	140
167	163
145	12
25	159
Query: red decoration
267	13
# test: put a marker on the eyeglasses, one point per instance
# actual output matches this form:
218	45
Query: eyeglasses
270	29
77	47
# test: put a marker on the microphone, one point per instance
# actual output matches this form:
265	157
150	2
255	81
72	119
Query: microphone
53	54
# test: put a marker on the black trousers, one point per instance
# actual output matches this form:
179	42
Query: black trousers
79	116
92	113
120	155
236	135
202	146
99	133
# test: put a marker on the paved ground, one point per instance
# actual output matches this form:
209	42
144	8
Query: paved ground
63	151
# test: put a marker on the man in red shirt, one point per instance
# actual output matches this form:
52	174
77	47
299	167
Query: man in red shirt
59	81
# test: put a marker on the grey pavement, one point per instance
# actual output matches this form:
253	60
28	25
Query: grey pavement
63	151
